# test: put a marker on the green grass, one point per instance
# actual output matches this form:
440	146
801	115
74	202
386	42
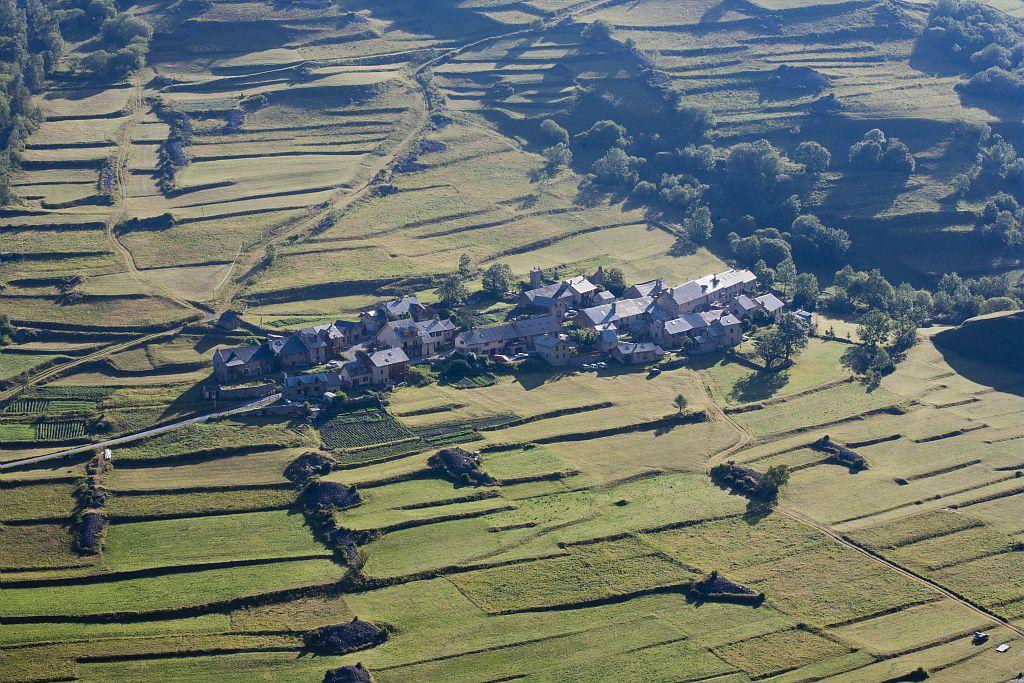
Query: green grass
814	409
168	591
199	503
38	545
37	501
775	653
735	382
218	538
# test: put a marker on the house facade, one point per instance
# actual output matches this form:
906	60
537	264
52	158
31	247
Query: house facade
630	353
511	337
557	298
310	387
419	339
556	349
241	363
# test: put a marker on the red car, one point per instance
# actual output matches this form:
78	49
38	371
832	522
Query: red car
499	358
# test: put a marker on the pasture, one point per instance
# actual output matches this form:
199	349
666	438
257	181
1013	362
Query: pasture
334	155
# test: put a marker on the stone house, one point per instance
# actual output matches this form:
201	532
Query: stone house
419	339
511	337
694	295
630	353
310	387
556	349
624	313
241	363
557	298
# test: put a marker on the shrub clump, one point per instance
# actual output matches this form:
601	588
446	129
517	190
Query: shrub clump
748	482
326	494
88	537
717	587
307	466
352	673
342	638
840	454
461	467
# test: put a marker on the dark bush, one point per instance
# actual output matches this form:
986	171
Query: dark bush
461	467
307	466
840	454
88	535
352	673
325	494
343	638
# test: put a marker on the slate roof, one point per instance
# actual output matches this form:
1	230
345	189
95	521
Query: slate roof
617	310
630	348
649	288
241	355
402	306
548	294
770	302
310	379
685	323
518	329
385	357
745	303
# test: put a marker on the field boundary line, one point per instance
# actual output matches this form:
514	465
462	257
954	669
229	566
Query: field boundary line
852	545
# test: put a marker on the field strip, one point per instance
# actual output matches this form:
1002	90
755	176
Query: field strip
57	370
388	160
844	541
150	572
139	435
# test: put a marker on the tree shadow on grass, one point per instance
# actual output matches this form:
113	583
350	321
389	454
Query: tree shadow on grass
759	386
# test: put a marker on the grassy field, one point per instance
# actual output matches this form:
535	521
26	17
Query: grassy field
337	154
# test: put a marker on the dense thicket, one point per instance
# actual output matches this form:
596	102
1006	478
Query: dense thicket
30	47
984	42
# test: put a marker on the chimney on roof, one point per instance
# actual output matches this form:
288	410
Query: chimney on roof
536	278
703	288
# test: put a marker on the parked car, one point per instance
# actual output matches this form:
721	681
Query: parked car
501	358
521	356
654	372
333	365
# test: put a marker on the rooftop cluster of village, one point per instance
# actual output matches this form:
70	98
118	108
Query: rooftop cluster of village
562	323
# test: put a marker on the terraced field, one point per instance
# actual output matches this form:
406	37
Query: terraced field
298	162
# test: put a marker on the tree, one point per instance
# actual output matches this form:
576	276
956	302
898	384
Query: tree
805	291
615	281
497	279
680	403
778	343
617	168
557	156
452	292
765	275
597	30
874	329
464	263
602	135
794	335
813	156
697	225
774	479
785	274
555	132
753	169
